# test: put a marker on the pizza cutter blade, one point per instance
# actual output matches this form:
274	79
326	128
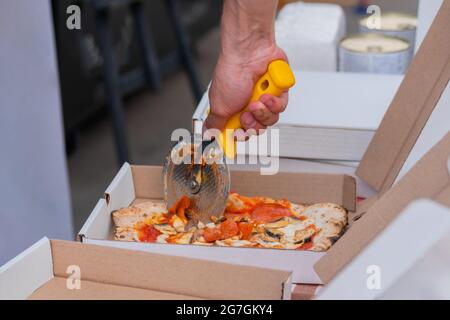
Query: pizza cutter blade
205	185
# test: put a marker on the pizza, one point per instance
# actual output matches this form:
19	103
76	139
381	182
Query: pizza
257	222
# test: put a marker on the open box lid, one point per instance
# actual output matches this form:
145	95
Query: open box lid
380	260
429	178
414	102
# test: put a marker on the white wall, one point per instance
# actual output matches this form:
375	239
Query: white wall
34	193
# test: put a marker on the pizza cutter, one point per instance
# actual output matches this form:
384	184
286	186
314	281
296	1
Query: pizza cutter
197	169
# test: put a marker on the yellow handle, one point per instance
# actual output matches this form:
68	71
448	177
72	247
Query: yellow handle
278	78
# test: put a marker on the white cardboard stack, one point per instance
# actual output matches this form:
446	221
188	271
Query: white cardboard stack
331	116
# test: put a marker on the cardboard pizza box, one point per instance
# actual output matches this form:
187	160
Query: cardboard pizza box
53	269
402	125
134	184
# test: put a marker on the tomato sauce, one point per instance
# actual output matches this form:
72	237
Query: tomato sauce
147	233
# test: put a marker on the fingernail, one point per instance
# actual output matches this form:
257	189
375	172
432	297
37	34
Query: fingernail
248	120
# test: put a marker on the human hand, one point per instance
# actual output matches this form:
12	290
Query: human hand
234	79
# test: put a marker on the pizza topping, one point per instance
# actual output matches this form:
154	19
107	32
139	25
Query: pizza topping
147	233
229	228
177	223
212	234
165	228
181	238
269	212
246	230
280	223
237	216
180	208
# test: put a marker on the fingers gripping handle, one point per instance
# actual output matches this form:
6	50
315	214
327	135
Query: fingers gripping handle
278	78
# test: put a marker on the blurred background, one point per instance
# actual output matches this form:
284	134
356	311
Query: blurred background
76	103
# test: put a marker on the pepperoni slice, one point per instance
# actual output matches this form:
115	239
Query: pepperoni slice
269	212
246	229
212	235
229	229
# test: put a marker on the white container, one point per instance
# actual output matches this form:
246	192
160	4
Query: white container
393	24
374	53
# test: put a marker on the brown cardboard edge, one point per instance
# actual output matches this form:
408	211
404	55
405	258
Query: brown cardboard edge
65	253
349	195
340	188
429	178
416	97
56	289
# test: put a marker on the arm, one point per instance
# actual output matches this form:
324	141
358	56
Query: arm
247	47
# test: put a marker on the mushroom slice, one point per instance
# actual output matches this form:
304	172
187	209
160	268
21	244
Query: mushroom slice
302	235
182	238
267	244
166	229
283	222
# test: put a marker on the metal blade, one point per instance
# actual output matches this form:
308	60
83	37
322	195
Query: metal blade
209	197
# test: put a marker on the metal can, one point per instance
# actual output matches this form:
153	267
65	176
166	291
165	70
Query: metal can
395	24
374	53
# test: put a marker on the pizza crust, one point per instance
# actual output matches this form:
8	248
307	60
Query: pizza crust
128	217
331	219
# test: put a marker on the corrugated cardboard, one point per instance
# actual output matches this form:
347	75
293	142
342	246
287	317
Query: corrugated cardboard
429	178
297	187
111	273
413	104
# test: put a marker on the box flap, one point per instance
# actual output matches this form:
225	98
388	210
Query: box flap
174	275
120	192
382	253
413	104
18	279
99	225
427	179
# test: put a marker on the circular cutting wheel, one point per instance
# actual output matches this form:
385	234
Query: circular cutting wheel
208	197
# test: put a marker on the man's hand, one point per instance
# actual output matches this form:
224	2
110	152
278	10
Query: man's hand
248	47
